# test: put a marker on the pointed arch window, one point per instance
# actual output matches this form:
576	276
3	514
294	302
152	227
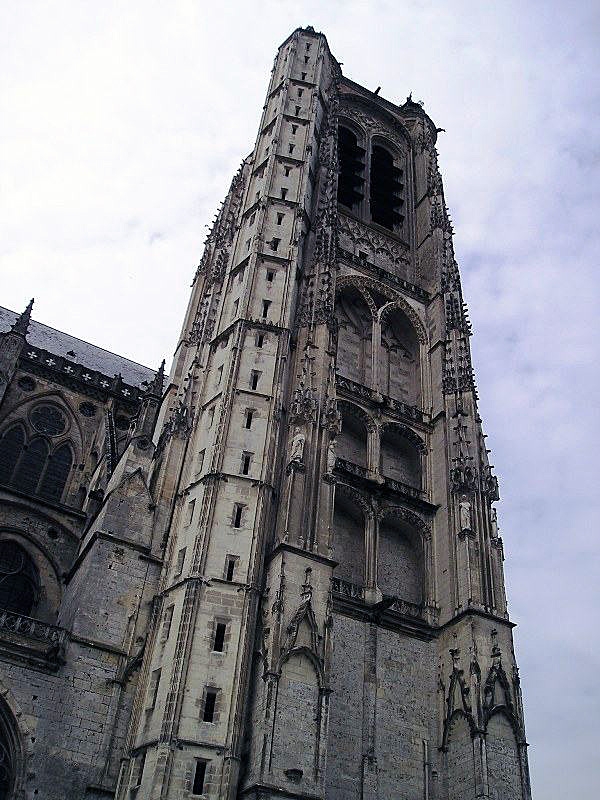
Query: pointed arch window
56	473
11	446
19	579
33	465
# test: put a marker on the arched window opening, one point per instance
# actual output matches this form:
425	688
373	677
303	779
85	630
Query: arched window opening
56	474
399	370
354	337
351	169
37	465
400	561
400	458
19	579
11	446
31	465
385	189
349	540
351	443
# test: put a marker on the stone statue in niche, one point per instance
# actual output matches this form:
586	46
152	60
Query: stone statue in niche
494	523
464	510
331	456
297	447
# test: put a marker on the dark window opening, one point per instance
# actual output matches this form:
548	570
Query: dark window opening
385	189
306	59
266	304
300	92
249	417
284	194
297	111
352	167
304	76
19	579
291	148
286	171
246	461
260	339
279	221
199	777
229	567
237	515
275	244
209	705
254	377
219	641
294	129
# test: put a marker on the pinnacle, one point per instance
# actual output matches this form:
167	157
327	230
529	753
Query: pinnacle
22	322
155	387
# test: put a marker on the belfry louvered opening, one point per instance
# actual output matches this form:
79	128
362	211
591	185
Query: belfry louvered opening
352	167
385	189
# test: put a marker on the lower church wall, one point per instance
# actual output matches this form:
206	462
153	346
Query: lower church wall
64	721
382	709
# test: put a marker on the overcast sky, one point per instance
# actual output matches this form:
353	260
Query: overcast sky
121	127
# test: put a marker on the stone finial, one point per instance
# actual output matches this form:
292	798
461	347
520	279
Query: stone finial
155	387
21	324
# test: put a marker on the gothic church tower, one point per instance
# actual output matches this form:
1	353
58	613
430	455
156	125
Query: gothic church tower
330	618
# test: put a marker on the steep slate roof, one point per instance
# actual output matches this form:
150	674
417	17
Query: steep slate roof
84	353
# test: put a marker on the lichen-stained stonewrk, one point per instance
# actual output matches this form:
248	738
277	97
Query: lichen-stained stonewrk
276	573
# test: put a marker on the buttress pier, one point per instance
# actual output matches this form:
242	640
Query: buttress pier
330	618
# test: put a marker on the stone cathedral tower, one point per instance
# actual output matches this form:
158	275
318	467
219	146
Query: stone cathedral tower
321	611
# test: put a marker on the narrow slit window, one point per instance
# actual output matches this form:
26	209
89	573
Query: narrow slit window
266	304
271	272
291	148
286	171
252	218
236	305
300	92
219	640
249	418
260	339
240	276
306	59
199	778
297	111
279	221
294	129
210	415
166	624
201	457
230	567
190	512
237	515
275	244
284	193
153	688
254	378
219	375
140	763
308	46
246	462
304	76
180	561
210	702
248	243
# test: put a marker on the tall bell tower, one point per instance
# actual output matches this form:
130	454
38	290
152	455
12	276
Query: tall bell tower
331	619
